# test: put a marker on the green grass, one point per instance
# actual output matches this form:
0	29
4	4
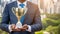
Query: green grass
0	19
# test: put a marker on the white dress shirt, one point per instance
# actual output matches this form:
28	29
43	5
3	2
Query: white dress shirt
29	27
18	3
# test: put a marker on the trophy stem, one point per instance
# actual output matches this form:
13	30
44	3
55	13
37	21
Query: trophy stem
19	24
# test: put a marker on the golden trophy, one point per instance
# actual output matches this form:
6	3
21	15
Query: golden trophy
19	12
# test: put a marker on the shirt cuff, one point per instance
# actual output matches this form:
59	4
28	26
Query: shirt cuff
29	28
9	28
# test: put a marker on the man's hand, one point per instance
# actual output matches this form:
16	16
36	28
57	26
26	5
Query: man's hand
14	28
24	27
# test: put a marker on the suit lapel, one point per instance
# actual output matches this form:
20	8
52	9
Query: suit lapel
27	14
15	4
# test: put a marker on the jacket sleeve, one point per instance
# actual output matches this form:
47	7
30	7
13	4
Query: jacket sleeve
5	19
37	25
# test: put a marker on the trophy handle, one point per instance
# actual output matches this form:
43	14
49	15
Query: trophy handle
25	10
13	10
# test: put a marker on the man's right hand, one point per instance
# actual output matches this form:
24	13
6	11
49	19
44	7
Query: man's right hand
14	28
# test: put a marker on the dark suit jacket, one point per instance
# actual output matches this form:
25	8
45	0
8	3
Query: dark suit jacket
32	18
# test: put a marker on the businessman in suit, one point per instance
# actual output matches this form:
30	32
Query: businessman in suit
31	21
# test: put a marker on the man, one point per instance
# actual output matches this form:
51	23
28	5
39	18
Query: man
31	21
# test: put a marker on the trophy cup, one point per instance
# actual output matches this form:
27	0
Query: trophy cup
19	12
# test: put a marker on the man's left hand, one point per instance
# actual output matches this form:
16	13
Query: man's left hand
24	27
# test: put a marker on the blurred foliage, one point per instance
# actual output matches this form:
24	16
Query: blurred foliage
52	29
52	23
40	32
3	32
0	19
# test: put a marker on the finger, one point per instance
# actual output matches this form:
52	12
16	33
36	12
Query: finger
23	29
13	26
18	29
25	25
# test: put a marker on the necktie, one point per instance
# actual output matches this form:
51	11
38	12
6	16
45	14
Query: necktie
22	5
22	18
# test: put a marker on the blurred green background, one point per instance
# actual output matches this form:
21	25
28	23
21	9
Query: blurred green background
51	25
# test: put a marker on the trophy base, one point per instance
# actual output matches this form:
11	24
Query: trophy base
19	25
